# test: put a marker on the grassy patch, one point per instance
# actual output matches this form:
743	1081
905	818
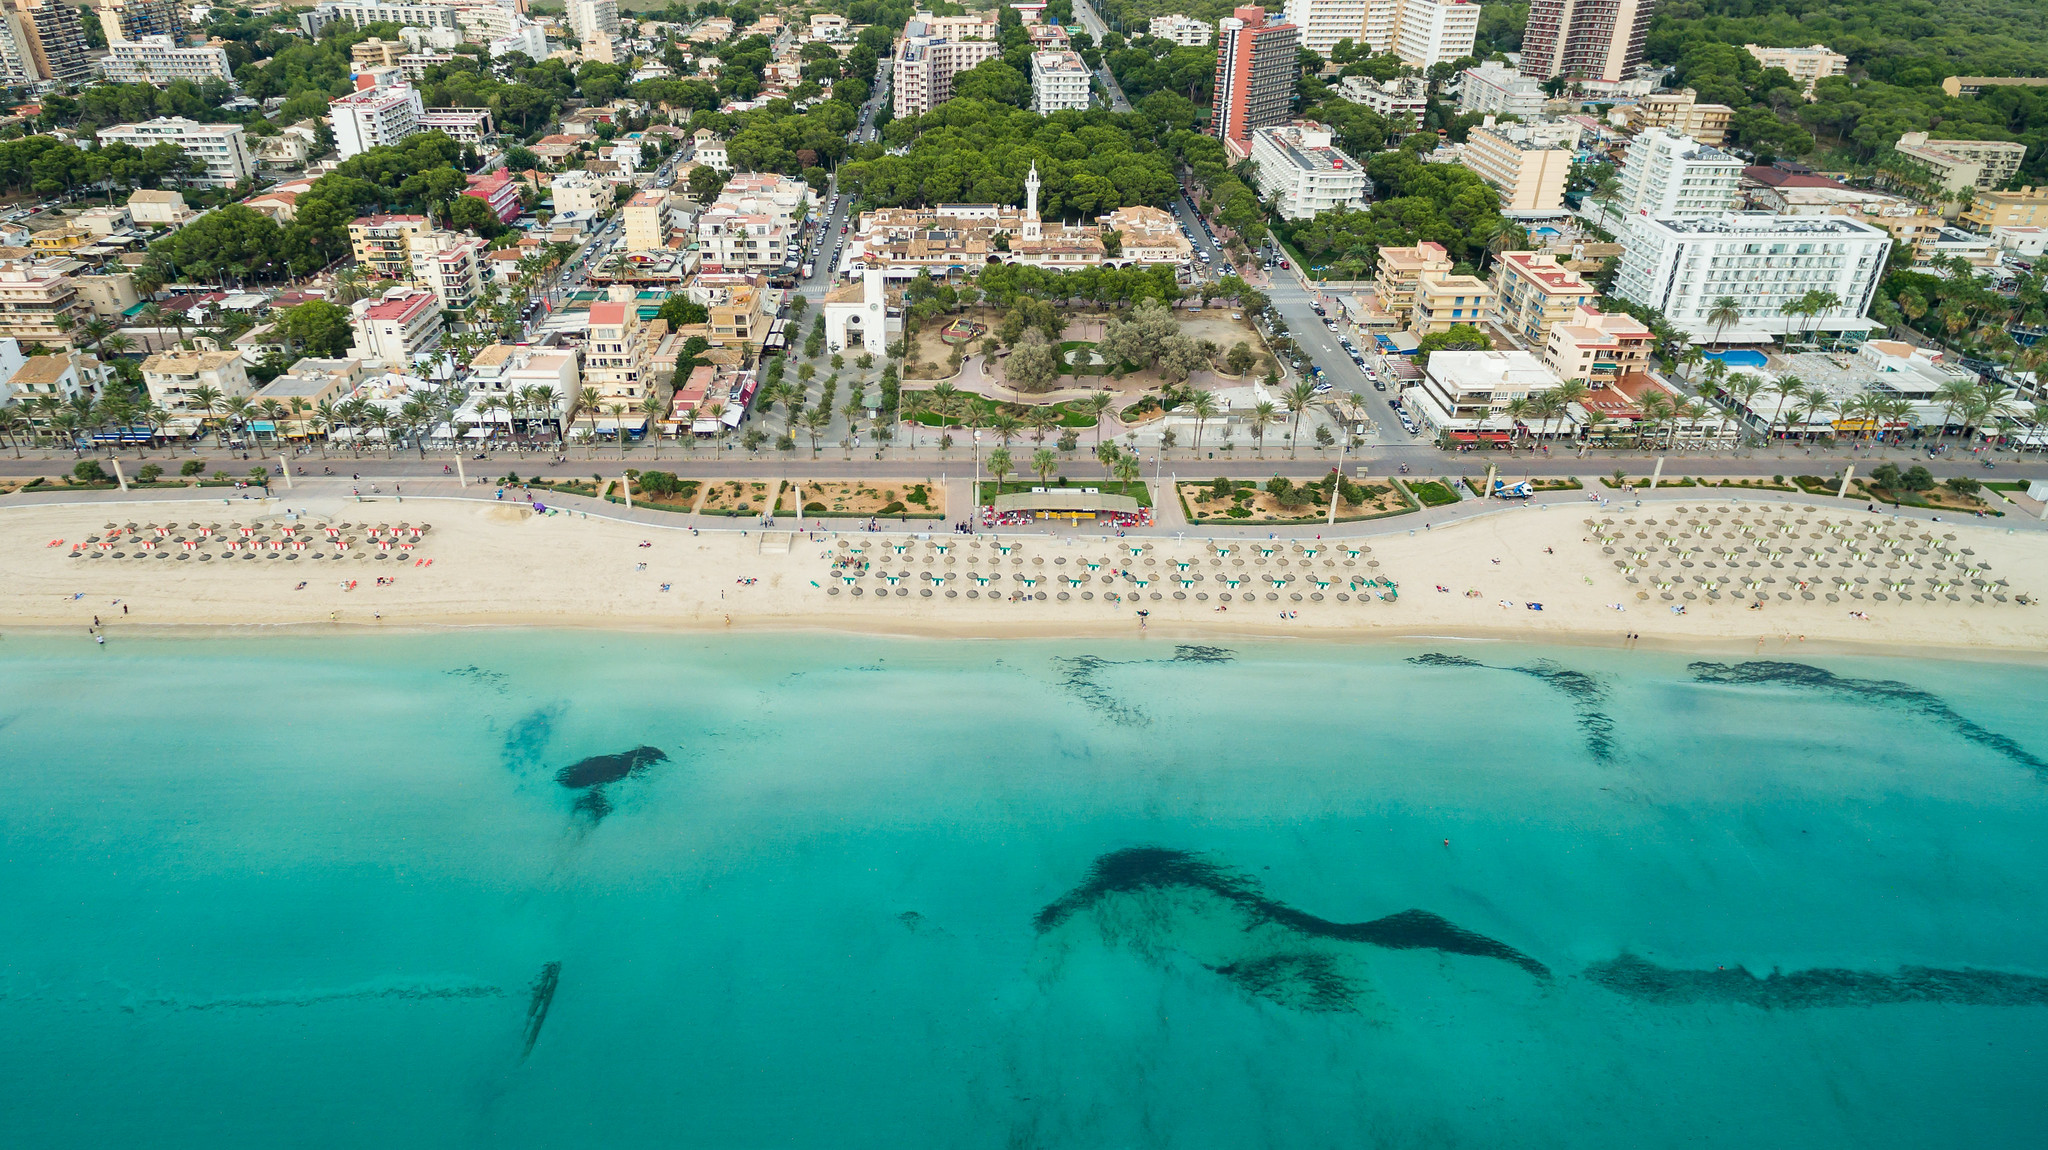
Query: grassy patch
1431	493
1072	413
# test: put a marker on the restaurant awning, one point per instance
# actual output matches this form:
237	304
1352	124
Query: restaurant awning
1463	437
1494	436
1066	501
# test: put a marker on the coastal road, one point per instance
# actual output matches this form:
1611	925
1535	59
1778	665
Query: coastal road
903	461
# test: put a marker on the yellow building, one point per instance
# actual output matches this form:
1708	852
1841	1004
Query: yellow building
2026	208
383	243
1444	300
1533	294
60	240
1399	270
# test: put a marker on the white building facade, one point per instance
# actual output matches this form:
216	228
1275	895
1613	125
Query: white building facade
1303	174
159	60
1059	83
1186	32
1762	262
1671	176
374	118
1324	22
1431	32
221	147
1498	89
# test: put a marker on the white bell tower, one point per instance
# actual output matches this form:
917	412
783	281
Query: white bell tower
1032	228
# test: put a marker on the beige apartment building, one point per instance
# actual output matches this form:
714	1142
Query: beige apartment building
1530	174
38	305
1808	65
1964	165
1682	113
174	376
1400	269
2025	208
1444	300
1533	294
617	362
1598	347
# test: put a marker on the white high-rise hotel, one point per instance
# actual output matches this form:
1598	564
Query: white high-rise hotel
1421	32
1761	261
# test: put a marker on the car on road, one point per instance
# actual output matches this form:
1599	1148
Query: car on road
1378	385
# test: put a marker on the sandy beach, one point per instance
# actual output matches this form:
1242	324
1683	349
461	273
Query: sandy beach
484	563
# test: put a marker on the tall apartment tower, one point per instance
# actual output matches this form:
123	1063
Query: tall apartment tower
1324	22
47	42
126	21
1585	39
1255	71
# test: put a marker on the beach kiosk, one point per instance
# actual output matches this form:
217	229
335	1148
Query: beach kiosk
1071	504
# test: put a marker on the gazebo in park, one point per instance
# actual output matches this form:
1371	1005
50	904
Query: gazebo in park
1070	503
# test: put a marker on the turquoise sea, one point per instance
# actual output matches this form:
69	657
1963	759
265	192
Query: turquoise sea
587	890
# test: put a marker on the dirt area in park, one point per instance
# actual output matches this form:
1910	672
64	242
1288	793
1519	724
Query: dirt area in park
1213	324
735	496
1203	507
856	498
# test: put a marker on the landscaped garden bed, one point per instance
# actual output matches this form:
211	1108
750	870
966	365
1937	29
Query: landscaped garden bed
736	497
1072	413
1432	493
1281	500
861	499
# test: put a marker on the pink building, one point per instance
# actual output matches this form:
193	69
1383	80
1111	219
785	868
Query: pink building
497	190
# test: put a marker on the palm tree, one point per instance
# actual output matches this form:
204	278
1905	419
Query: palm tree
1656	407
1787	386
380	418
1796	306
655	408
1045	461
999	465
1041	420
207	400
1099	403
1810	403
1264	416
617	413
1742	391
1569	392
853	410
1126	469
1692	411
237	408
1202	405
273	412
1517	410
817	422
1726	313
1298	398
542	397
1954	396
1004	425
586	402
117	344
